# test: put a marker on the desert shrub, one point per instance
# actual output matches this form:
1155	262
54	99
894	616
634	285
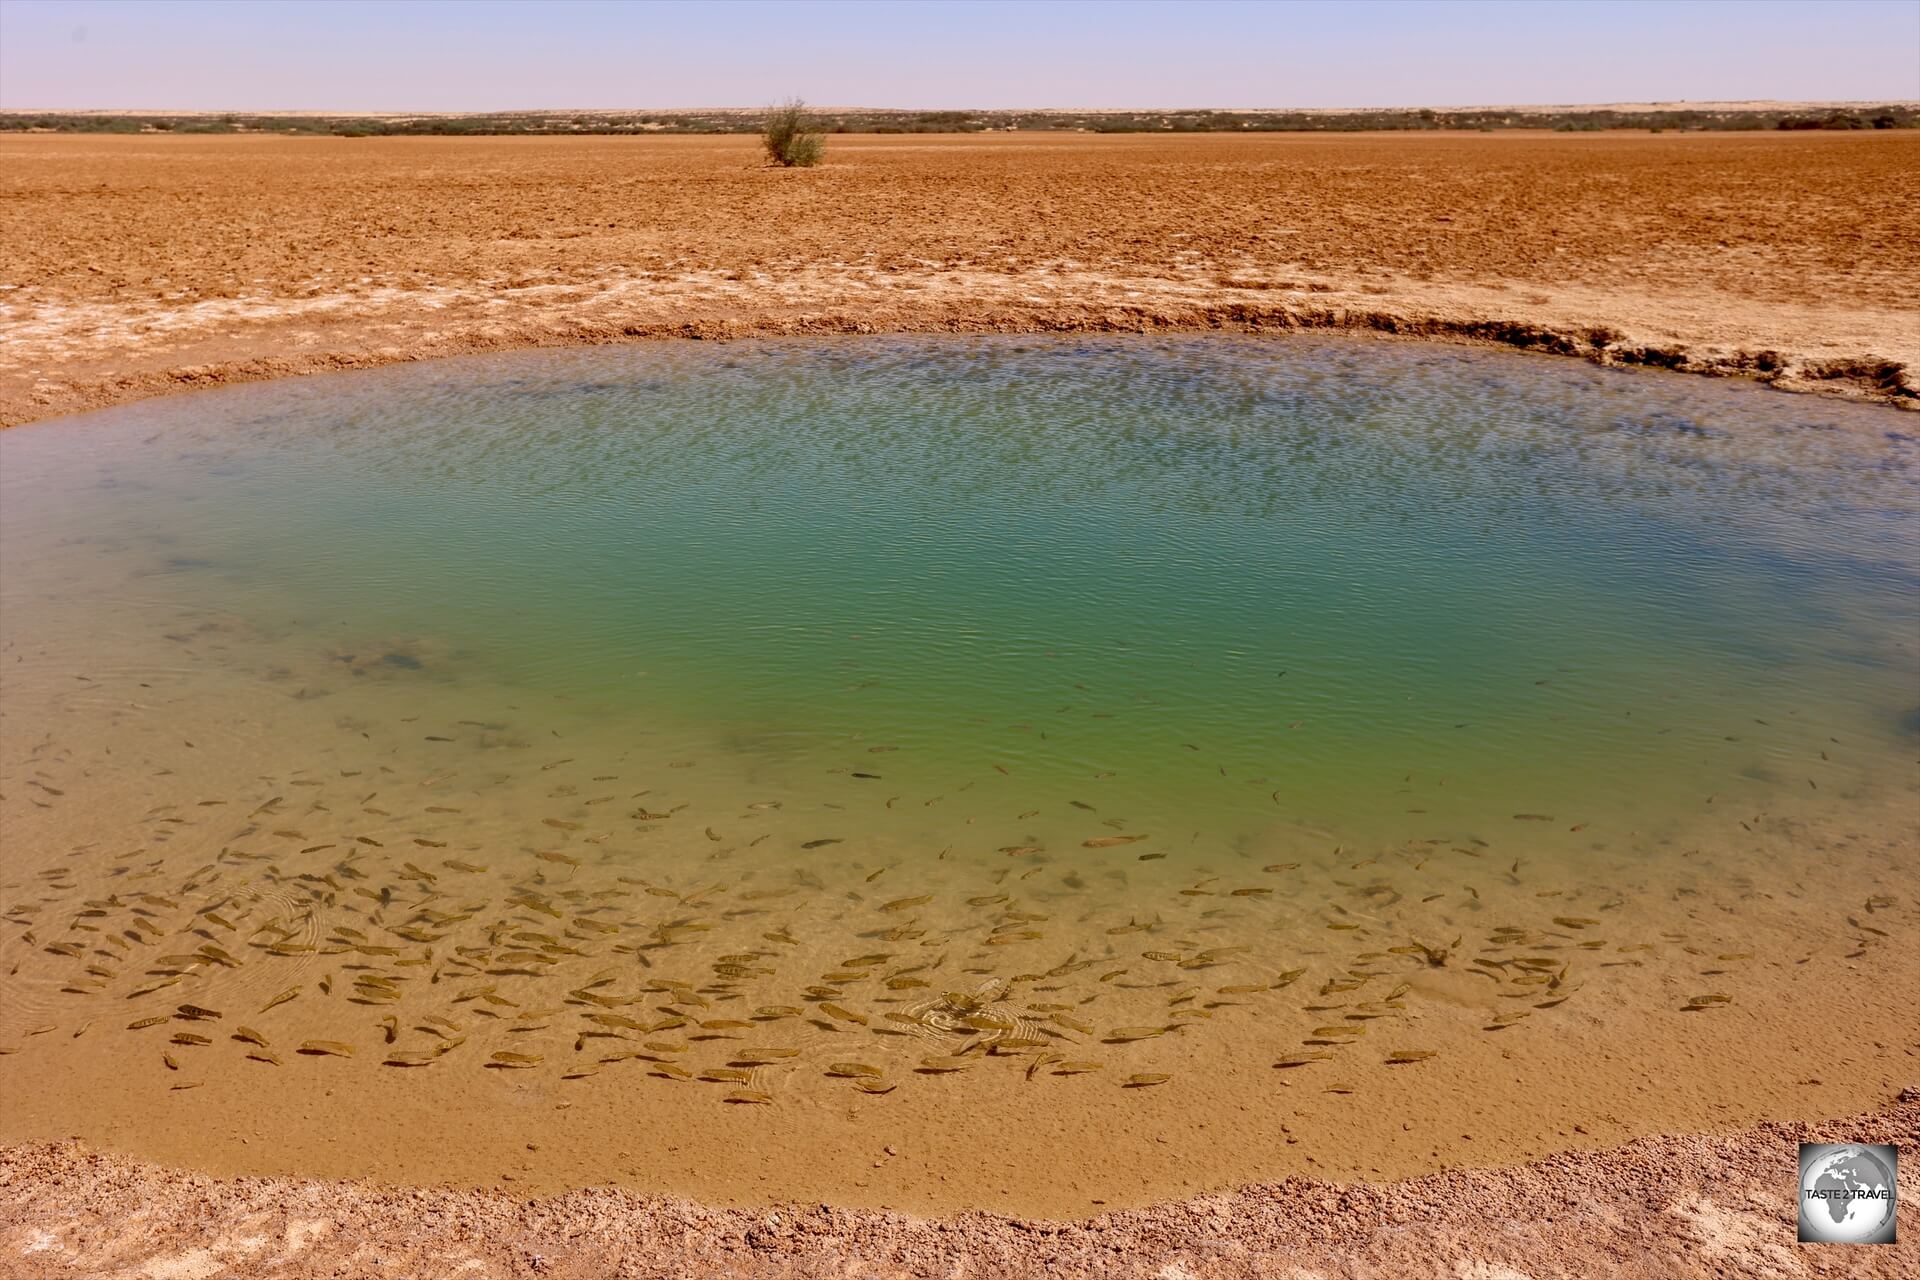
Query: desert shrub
789	136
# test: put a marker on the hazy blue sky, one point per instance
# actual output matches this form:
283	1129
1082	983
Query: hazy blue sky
464	55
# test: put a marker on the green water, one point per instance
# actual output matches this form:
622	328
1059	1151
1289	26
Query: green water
1365	590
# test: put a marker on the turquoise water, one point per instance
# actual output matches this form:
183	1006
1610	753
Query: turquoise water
1009	750
1368	589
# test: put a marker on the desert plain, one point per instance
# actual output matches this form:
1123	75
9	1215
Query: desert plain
132	266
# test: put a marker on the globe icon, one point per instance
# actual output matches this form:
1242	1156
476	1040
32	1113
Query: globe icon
1846	1197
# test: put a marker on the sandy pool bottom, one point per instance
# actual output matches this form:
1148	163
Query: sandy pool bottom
998	1032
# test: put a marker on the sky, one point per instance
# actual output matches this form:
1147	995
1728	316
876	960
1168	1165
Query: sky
484	55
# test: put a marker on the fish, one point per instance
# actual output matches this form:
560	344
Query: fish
1143	1079
322	1048
1303	1059
1108	842
854	1070
844	1015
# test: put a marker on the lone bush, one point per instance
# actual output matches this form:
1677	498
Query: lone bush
788	137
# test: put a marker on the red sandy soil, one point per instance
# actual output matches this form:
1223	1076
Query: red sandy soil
134	266
1662	1208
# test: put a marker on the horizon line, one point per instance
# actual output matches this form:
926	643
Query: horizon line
1689	104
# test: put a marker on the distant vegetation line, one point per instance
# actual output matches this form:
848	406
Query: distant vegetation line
1891	116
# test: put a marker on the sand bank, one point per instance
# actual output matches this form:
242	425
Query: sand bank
135	266
1666	1207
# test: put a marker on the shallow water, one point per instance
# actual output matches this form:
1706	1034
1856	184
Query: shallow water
765	707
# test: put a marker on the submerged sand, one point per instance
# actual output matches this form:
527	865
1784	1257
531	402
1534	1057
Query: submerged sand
292	901
138	266
134	266
1661	1208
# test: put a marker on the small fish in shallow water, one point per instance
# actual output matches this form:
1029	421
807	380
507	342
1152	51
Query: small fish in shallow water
844	1015
514	1060
326	1048
1141	1080
1303	1059
1696	1003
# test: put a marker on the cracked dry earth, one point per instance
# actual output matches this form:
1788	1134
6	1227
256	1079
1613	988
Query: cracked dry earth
134	266
1662	1208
